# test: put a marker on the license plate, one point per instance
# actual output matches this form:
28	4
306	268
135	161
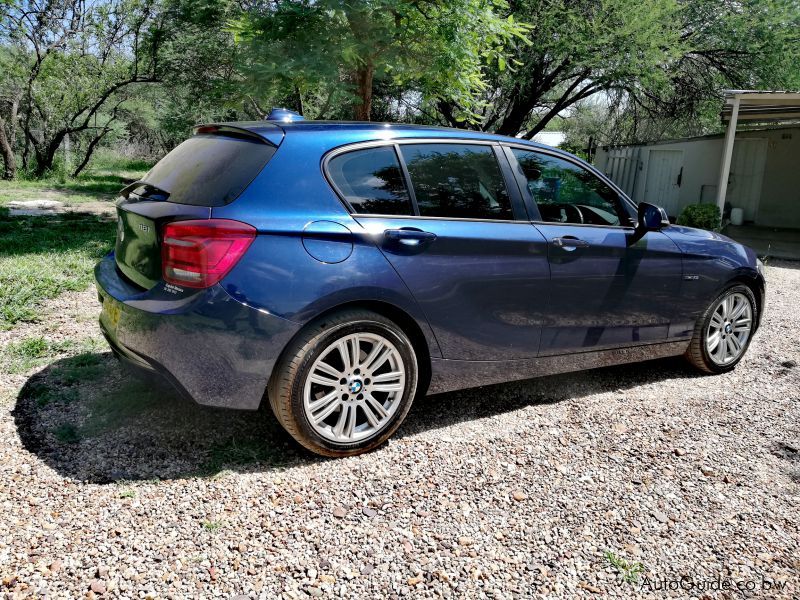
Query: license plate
111	308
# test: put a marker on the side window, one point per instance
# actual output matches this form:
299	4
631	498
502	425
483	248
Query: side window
457	181
567	193
371	181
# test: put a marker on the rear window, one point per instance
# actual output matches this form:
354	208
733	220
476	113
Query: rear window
209	170
457	181
371	181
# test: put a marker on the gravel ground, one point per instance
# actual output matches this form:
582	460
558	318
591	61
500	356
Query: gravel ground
615	482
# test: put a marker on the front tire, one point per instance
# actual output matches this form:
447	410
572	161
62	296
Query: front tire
723	333
345	384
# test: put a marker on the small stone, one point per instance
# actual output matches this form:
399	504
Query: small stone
327	579
661	517
213	573
789	364
369	512
620	428
465	541
339	512
679	452
298	499
314	591
98	587
412	581
56	565
519	495
367	569
707	471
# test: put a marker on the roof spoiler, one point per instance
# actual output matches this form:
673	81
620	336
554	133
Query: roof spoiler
265	133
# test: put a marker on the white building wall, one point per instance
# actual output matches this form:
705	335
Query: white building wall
779	203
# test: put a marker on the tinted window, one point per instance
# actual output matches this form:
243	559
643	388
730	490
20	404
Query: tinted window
457	180
209	170
567	193
371	181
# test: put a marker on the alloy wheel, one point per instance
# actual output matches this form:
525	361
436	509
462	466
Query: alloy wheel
354	388
729	329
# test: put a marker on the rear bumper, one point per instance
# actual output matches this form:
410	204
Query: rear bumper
209	346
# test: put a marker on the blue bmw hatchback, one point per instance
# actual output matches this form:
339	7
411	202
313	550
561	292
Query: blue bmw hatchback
341	269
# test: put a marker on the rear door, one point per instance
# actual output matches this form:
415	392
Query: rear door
209	169
459	237
608	289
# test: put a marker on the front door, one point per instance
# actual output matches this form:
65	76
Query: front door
459	238
606	290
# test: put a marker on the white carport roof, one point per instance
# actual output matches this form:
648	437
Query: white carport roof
751	105
762	105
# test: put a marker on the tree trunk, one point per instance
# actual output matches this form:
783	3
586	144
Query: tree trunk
363	107
9	160
89	151
45	158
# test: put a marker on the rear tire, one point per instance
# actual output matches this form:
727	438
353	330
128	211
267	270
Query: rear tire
724	331
345	384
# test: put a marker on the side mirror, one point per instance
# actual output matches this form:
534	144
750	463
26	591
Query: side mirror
651	218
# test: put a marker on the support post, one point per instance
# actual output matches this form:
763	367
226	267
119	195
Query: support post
727	154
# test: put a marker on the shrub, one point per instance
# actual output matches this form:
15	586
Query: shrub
702	216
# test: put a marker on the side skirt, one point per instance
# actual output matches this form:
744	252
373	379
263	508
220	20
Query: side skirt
450	375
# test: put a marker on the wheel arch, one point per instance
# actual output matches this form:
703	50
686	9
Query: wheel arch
756	285
405	321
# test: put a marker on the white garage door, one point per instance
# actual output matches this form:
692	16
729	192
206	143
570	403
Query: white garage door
747	175
662	186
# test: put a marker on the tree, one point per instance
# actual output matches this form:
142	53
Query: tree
332	52
657	60
575	49
10	96
78	59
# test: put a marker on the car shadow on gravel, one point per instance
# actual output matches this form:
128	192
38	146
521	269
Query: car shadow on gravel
91	420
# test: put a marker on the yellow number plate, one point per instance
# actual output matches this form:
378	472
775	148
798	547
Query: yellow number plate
113	311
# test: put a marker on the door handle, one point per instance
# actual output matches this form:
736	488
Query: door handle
409	237
569	243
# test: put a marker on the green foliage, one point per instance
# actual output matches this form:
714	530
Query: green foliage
139	74
702	216
108	174
331	52
41	257
630	571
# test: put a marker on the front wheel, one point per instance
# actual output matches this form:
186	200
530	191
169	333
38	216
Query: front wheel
723	332
345	384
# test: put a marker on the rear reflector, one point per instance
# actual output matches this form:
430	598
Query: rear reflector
199	253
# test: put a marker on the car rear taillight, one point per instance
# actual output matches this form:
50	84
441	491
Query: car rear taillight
199	253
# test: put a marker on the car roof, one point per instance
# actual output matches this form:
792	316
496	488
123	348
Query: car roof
367	131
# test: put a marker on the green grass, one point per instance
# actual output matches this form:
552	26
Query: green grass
42	257
107	174
233	453
67	433
127	494
33	351
108	411
85	366
212	525
630	571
